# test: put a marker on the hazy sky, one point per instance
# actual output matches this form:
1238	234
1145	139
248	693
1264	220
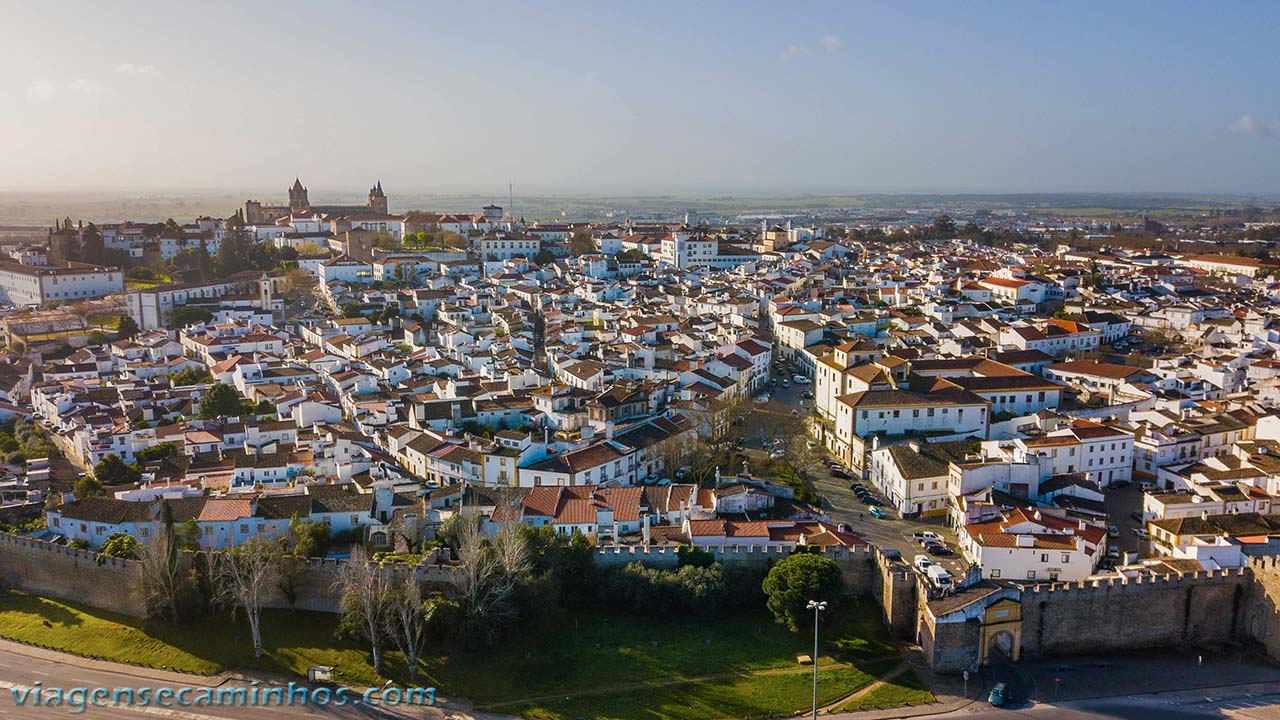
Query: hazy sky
619	97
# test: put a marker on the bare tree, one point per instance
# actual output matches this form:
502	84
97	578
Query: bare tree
247	575
366	599
407	620
166	578
489	575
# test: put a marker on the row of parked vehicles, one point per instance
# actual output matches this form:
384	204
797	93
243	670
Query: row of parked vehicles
862	492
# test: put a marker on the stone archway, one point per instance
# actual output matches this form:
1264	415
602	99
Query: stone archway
1000	646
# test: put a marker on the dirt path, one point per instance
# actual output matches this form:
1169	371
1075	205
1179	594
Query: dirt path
893	673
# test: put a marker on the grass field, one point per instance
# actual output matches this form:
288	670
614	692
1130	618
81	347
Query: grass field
906	689
599	664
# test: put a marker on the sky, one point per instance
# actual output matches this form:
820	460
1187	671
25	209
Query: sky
611	97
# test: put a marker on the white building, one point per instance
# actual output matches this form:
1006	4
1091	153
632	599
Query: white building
24	285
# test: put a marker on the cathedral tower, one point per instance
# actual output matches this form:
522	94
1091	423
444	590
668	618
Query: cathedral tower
377	200
298	202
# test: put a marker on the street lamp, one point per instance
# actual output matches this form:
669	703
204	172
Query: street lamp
816	607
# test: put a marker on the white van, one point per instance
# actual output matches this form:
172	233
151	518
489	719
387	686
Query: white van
939	576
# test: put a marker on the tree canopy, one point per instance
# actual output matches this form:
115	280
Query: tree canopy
792	583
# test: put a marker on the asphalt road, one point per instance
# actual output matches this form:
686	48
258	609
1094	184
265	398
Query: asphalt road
20	673
844	506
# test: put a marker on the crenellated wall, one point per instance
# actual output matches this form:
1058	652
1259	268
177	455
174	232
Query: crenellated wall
55	571
1090	616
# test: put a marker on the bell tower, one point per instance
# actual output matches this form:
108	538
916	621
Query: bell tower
298	202
377	200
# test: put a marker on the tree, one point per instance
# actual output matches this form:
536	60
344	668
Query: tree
120	545
245	577
298	284
88	486
113	471
220	401
352	310
167	579
944	226
127	328
581	242
156	452
488	578
194	375
692	556
366	600
799	578
185	315
308	538
407	620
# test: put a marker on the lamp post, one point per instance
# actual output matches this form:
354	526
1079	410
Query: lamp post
816	607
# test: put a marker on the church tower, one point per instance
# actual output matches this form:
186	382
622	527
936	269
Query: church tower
298	202
377	200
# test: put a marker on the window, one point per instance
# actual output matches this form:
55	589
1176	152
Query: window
1044	557
995	573
144	532
1066	558
1031	574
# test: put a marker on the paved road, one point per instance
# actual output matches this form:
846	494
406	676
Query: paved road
843	505
21	672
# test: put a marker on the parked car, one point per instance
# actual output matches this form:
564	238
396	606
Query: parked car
807	395
1142	533
926	535
1113	551
999	694
1119	484
773	382
937	549
786	384
1137	515
1113	531
923	563
877	512
800	380
840	473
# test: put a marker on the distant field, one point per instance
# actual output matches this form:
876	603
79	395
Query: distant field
42	209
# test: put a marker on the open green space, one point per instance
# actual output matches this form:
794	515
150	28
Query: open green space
595	663
905	689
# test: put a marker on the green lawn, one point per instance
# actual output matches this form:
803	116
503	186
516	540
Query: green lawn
292	640
754	696
906	689
608	664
